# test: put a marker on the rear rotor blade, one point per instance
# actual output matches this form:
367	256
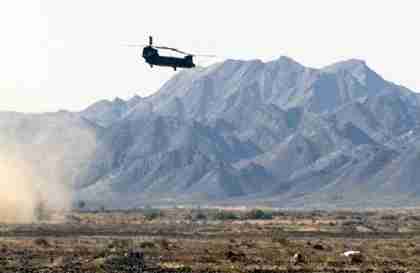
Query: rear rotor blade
173	49
204	55
185	53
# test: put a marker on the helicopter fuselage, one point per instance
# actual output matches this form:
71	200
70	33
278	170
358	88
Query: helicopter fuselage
152	57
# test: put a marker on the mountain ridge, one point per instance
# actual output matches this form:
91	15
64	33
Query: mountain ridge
251	132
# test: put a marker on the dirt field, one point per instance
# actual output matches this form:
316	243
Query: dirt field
209	240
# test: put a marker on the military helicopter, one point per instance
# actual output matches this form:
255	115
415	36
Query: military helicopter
152	57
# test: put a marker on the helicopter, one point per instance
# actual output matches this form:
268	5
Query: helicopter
152	57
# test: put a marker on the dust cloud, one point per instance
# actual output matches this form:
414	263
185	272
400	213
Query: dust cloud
43	159
23	193
18	197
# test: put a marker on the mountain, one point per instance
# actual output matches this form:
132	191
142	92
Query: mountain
240	132
106	112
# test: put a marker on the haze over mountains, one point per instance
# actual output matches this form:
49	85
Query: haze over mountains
237	132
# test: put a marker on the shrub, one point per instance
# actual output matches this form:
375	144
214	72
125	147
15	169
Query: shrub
225	215
200	216
152	214
281	239
42	242
81	205
259	214
164	243
147	244
121	243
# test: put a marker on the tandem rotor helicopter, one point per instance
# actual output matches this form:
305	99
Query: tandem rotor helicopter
152	57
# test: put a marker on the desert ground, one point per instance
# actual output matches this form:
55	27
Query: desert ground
214	240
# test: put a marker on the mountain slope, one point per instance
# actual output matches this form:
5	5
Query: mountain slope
240	132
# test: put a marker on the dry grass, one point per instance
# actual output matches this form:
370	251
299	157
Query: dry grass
176	241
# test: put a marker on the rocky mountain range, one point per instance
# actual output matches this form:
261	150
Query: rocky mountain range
237	133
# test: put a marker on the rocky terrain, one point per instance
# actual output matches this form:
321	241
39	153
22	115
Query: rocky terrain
213	240
238	132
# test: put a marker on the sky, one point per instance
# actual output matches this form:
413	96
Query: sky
60	54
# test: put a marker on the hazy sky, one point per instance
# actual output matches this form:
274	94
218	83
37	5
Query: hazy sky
57	54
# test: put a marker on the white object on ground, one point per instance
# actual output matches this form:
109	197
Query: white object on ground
350	253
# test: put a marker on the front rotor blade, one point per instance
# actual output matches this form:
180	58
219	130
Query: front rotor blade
134	45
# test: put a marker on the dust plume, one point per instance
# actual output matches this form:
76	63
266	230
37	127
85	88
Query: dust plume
42	159
18	196
23	192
